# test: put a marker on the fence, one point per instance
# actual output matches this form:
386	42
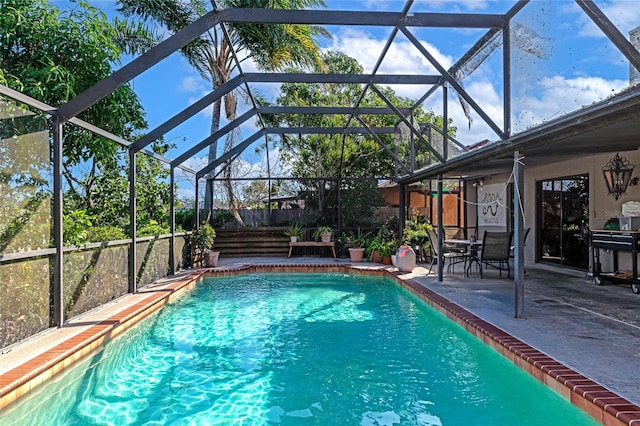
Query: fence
261	217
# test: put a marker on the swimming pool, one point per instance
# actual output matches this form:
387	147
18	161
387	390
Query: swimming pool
296	349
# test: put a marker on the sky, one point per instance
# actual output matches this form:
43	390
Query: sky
561	62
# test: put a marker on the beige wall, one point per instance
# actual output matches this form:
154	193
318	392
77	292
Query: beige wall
602	206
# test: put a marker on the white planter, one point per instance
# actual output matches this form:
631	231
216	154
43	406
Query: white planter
325	237
405	259
294	239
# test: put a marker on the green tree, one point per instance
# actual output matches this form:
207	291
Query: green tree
271	47
52	54
315	157
110	200
255	193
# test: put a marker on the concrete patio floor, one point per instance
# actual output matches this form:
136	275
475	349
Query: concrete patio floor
595	330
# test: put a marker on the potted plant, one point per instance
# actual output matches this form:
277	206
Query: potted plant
415	235
294	231
393	248
342	245
323	233
202	239
373	249
357	243
385	251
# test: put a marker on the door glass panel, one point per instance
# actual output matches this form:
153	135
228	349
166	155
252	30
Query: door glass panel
564	221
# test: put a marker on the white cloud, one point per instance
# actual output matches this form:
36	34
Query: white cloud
557	96
402	57
624	14
396	5
191	84
196	163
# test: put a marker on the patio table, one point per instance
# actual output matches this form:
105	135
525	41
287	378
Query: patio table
471	246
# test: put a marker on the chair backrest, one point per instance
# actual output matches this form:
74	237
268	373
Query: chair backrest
451	233
526	234
433	241
496	245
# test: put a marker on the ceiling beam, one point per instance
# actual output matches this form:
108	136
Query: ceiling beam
328	130
341	78
330	110
362	18
136	67
233	152
611	31
213	137
186	113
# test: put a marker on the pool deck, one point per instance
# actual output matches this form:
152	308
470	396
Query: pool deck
593	330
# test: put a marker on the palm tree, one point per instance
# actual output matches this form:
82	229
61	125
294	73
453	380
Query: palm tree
271	47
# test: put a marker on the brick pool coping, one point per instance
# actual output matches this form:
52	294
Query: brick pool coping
600	403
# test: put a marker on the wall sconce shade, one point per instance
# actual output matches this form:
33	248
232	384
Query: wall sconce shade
617	175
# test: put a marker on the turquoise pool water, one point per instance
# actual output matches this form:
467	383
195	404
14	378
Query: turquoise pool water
296	349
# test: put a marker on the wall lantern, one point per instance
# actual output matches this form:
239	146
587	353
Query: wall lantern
617	175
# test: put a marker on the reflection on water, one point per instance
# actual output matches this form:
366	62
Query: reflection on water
296	349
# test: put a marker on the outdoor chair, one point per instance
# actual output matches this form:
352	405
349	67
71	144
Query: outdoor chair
454	254
495	251
526	234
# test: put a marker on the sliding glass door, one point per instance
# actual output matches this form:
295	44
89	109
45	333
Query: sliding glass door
563	221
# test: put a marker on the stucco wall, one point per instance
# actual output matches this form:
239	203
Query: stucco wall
602	206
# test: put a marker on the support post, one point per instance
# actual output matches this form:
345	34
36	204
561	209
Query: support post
197	201
172	222
445	122
440	231
58	240
402	208
518	249
506	83
133	272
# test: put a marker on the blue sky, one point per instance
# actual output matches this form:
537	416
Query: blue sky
561	63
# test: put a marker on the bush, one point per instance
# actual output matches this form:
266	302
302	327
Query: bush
186	219
151	229
221	218
204	237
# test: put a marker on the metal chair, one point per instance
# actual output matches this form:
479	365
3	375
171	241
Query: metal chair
454	254
495	250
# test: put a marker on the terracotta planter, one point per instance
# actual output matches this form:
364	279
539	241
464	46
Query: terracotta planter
386	260
356	254
211	258
375	256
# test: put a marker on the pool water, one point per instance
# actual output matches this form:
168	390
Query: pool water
296	349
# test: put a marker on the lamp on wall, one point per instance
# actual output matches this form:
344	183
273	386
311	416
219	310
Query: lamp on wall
617	175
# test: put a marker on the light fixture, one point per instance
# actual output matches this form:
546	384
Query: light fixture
617	175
